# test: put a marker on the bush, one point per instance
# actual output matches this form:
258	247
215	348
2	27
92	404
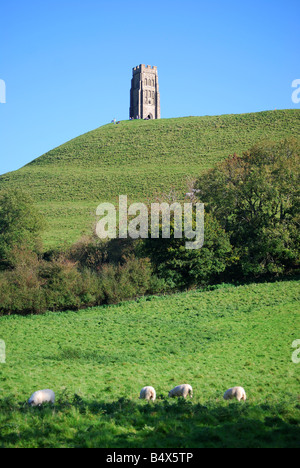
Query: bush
35	286
21	289
20	225
128	281
89	252
68	288
181	268
92	252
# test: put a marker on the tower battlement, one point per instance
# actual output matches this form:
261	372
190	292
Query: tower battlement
143	67
144	93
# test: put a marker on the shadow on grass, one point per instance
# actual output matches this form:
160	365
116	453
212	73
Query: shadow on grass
163	424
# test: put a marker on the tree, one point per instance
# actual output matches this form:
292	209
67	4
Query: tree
256	200
182	268
20	224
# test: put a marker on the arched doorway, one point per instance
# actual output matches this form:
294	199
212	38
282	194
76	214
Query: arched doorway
150	117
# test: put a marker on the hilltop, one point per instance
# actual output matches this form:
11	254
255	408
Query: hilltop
136	158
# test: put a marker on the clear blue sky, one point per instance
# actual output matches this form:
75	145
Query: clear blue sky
67	64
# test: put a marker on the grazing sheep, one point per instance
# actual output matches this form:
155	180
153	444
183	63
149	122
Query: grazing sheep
148	393
42	396
236	392
181	390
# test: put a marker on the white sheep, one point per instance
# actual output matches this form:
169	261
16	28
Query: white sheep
181	390
148	393
42	396
235	392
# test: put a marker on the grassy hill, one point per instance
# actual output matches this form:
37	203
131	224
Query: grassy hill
97	360
138	159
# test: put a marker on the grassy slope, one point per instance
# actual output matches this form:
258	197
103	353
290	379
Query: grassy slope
140	159
212	340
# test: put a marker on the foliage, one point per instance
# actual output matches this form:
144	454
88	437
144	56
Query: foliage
34	285
256	199
92	252
128	281
182	268
20	224
21	288
68	288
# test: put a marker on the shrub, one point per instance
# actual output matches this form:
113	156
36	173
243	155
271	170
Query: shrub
181	268
89	252
92	252
68	288
21	289
35	286
128	281
20	224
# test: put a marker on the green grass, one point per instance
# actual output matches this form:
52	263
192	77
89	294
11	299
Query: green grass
138	159
97	360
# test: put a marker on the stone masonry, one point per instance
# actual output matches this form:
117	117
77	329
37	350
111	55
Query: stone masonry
144	93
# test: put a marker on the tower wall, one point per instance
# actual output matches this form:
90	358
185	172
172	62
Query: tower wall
144	93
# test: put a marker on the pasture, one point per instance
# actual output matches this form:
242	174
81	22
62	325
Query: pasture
97	360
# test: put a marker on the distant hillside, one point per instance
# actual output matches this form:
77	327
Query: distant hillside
138	159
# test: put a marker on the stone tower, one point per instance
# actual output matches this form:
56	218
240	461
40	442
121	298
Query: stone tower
144	93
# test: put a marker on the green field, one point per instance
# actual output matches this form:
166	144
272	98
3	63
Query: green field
136	158
97	360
